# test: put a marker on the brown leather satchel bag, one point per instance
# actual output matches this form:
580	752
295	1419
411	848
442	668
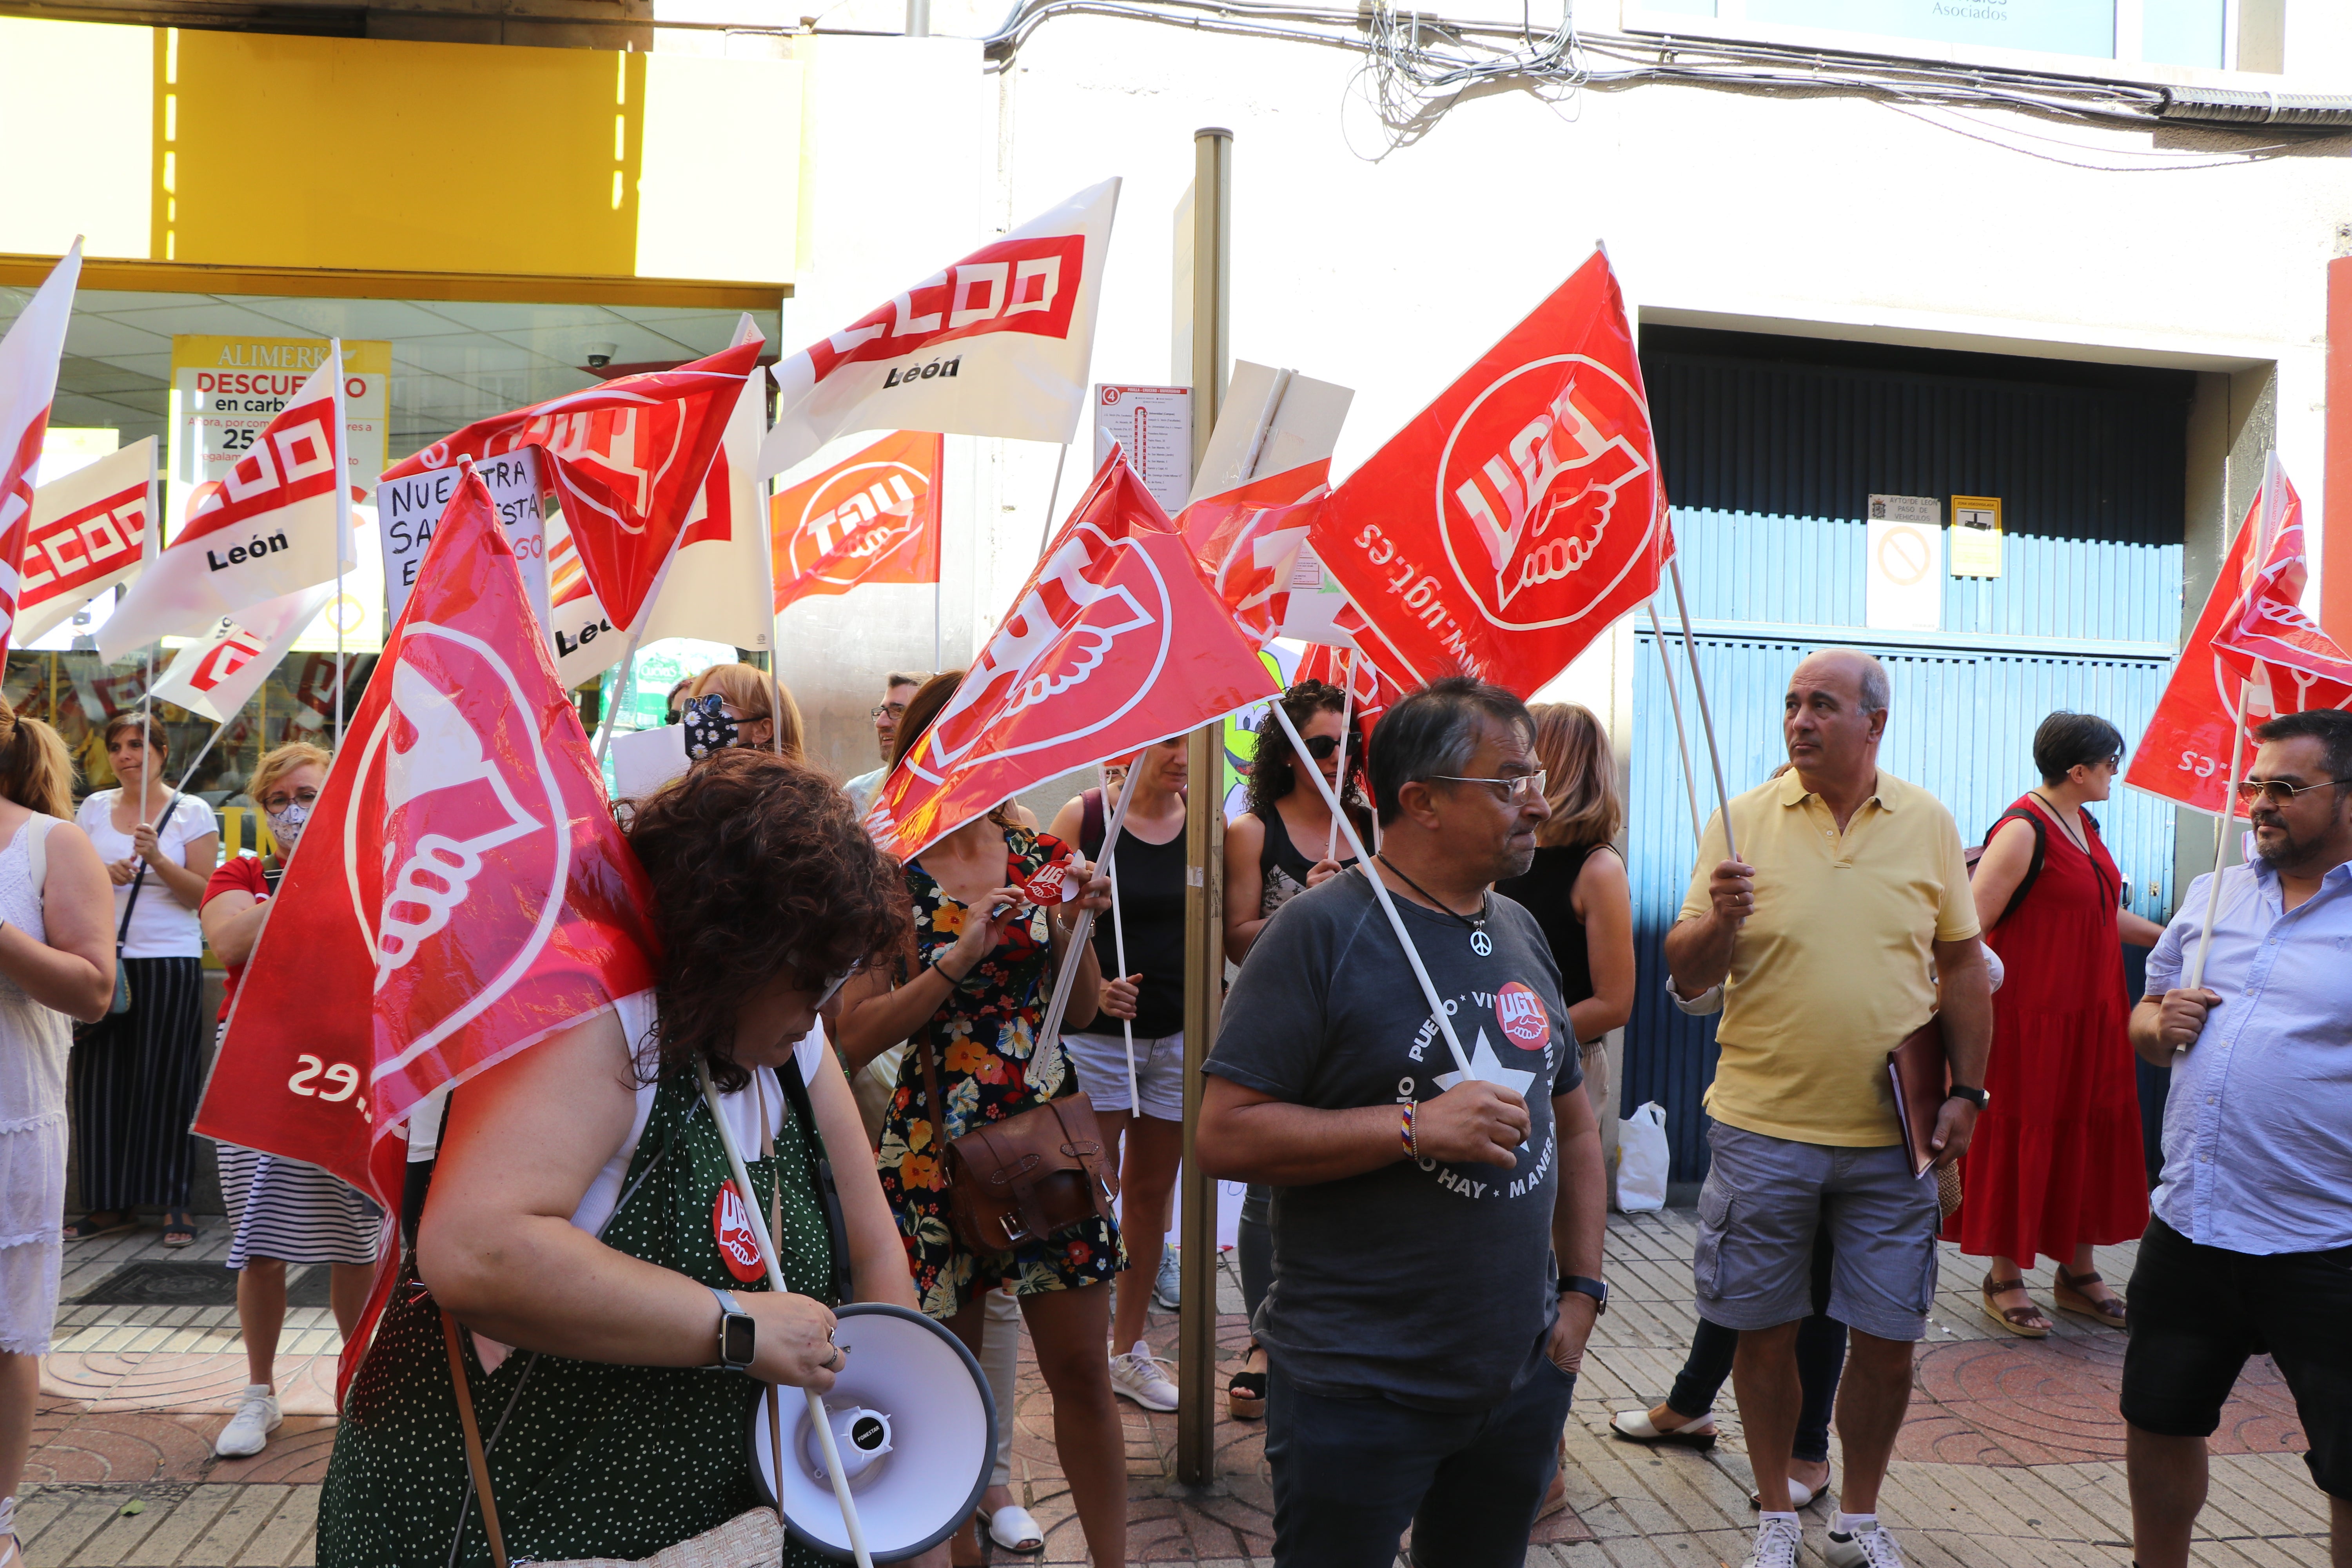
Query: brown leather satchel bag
1023	1178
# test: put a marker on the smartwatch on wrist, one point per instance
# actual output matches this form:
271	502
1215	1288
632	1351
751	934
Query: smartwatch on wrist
738	1332
1975	1097
1596	1289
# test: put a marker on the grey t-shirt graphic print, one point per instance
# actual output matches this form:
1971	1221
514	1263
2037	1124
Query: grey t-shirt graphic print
1430	1282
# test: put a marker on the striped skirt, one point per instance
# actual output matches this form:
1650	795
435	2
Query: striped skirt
284	1209
135	1080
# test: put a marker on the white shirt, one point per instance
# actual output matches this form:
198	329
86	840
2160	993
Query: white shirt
161	926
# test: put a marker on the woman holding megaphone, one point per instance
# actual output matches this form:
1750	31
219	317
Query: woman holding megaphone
583	1224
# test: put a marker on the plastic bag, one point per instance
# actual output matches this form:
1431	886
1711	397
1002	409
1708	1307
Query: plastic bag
1641	1160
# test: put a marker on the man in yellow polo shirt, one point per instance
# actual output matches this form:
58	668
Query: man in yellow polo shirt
1847	899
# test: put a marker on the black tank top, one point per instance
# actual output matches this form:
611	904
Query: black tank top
1151	920
1545	892
1282	867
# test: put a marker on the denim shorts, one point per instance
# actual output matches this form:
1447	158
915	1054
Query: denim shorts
1763	1201
1101	1063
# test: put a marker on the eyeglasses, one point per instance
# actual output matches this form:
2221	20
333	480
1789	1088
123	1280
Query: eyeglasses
833	987
1513	790
2278	792
896	710
277	802
1321	746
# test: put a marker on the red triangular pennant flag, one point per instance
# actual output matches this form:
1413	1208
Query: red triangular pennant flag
1115	642
461	893
1516	518
631	458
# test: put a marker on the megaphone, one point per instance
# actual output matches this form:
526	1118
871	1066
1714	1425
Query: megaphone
915	1426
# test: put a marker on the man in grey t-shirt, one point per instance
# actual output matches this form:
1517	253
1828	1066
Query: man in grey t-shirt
1436	1240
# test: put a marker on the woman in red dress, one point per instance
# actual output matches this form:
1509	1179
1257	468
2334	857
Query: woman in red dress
2055	1167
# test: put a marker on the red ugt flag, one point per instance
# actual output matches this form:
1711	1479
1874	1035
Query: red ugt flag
461	893
1519	515
1115	642
631	456
872	518
2184	754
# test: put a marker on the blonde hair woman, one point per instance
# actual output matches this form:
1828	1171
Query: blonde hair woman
1577	888
56	960
282	1211
756	703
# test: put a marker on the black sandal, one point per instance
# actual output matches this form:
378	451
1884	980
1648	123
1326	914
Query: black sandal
179	1228
1246	1392
88	1227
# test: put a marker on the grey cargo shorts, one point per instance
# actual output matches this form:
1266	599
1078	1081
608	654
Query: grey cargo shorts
1757	1215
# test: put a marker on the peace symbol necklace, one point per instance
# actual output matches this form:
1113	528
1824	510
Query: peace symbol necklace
1480	943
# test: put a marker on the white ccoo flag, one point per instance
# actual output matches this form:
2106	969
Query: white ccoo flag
719	586
91	530
279	523
996	344
219	673
28	384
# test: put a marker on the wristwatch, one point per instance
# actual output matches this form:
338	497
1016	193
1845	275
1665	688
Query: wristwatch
1596	1289
1975	1097
737	1331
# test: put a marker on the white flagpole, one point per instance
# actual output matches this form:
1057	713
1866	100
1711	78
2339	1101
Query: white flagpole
342	522
1117	926
1682	736
817	1417
1380	891
190	770
1050	1031
629	656
2221	831
1347	720
1053	503
1706	720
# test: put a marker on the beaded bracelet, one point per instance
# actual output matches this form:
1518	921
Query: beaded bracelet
1404	1132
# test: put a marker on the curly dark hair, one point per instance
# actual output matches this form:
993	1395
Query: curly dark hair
1274	766
759	869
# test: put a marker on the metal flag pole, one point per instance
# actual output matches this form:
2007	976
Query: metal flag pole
1050	1031
776	1282
1119	931
1347	720
1380	891
629	654
190	771
1682	736
342	520
1053	503
1706	720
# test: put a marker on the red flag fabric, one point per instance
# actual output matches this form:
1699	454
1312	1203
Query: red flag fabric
2184	753
872	518
632	456
1376	693
460	893
1250	541
1115	642
1516	518
29	352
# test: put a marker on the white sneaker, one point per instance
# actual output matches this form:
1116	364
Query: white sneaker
1872	1548
1777	1542
1166	1293
1137	1376
247	1432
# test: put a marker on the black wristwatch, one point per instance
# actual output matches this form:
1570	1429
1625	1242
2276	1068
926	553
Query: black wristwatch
738	1332
1596	1289
1975	1097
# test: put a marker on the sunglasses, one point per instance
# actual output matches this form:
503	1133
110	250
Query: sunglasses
1320	747
1514	791
2278	792
833	987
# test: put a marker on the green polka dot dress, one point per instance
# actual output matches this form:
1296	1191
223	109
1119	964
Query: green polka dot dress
587	1460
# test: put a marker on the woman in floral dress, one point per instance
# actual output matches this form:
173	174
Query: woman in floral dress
975	987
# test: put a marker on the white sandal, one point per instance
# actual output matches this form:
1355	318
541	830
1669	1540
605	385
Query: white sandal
1799	1494
1015	1528
1635	1427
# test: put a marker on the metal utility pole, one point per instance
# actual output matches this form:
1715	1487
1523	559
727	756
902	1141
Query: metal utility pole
1205	843
919	18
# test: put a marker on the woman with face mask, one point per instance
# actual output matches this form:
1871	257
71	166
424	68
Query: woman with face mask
282	1211
732	705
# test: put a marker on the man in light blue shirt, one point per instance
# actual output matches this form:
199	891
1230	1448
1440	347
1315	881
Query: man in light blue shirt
2250	1246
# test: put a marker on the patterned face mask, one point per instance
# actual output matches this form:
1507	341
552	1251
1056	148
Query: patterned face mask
286	826
708	728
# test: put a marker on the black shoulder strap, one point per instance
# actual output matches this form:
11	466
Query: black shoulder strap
820	1173
2033	871
1090	825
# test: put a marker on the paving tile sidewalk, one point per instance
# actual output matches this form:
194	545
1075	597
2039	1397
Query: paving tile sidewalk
2012	1454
